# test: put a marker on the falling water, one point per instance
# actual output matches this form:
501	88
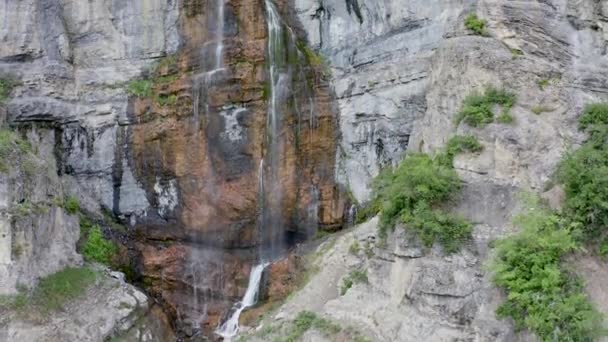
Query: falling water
219	35
231	327
271	221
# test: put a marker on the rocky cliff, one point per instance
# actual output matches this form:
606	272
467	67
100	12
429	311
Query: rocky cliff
401	71
159	114
169	116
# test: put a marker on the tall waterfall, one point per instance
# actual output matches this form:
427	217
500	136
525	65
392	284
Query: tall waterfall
219	35
279	81
282	74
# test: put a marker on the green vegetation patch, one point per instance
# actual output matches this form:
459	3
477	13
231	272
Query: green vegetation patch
6	86
354	277
475	24
584	174
463	144
12	147
541	295
96	248
414	192
71	205
307	320
53	291
140	88
477	110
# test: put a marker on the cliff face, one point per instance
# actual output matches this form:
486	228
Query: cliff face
168	115
401	72
158	112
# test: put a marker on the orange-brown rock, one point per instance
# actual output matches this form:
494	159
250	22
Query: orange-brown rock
202	135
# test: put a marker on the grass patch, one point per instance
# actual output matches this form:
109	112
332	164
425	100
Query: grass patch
516	53
307	320
6	86
71	205
539	109
475	24
505	119
57	289
477	110
140	88
166	100
542	295
13	148
354	277
354	248
96	248
463	144
543	83
53	291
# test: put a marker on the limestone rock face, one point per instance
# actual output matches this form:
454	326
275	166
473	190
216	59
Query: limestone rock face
37	236
157	112
110	308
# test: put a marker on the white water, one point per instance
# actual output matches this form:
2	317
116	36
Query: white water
231	327
219	35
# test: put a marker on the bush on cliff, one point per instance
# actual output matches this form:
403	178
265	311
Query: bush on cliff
584	174
97	248
475	24
478	111
414	192
541	295
6	86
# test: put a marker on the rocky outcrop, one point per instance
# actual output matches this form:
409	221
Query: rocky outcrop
109	309
411	294
38	237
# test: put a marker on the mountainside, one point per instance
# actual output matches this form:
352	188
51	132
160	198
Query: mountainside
207	137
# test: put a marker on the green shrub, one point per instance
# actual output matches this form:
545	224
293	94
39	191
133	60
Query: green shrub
505	119
584	174
463	144
72	205
354	277
475	24
593	115
53	291
436	226
543	83
418	178
477	109
307	320
541	296
97	248
166	100
140	88
6	86
604	248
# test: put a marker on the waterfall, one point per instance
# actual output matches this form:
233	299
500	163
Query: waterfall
219	35
231	326
279	82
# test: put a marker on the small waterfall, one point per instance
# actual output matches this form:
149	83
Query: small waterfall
231	327
219	35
